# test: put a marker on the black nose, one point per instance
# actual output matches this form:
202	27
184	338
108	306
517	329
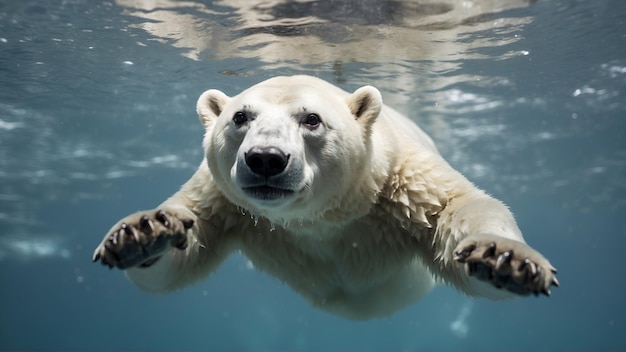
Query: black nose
266	161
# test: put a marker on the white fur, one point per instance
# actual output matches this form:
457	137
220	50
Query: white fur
375	213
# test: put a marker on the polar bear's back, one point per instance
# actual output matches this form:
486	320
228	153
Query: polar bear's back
406	128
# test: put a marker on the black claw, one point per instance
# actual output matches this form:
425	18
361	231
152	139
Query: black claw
127	229
143	220
160	215
490	251
113	237
546	291
523	264
555	282
96	256
131	232
464	253
188	223
145	225
504	258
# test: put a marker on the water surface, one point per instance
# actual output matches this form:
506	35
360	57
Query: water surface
97	121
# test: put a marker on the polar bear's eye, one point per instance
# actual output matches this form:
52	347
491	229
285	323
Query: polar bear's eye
312	121
240	118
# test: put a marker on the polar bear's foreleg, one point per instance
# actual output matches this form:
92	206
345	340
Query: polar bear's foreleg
480	249
468	238
161	249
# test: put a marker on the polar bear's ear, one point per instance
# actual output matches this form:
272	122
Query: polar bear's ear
210	105
365	104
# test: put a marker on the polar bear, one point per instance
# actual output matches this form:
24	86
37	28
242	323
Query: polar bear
339	196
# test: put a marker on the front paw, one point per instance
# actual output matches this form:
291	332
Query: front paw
142	238
507	264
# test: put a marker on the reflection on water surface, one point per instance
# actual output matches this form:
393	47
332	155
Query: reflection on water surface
97	120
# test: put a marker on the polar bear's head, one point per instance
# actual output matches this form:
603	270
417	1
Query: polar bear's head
293	148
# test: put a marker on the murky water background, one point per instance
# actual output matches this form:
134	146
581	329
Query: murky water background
97	121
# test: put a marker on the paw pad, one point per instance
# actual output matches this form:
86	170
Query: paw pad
507	264
141	238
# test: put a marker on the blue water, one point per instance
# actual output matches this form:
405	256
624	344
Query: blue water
97	121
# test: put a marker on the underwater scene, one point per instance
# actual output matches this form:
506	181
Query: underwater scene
98	120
